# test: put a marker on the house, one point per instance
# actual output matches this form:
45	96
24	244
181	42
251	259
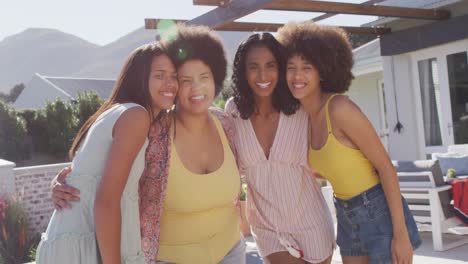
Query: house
423	106
367	87
42	89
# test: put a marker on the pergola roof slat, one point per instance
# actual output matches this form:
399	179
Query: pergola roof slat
228	12
151	23
328	15
342	8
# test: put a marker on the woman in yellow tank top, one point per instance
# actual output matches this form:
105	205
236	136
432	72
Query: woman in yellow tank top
374	222
190	186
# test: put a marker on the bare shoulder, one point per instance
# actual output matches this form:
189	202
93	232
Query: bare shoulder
135	118
342	107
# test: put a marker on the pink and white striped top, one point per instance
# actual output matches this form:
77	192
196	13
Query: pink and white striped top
283	199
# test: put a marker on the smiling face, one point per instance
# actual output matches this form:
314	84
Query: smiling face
303	78
196	87
162	83
261	71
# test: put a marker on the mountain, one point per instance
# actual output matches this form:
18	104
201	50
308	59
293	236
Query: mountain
47	51
55	53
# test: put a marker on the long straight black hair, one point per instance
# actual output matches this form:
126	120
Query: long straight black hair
131	87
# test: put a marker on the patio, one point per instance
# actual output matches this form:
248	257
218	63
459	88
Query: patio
423	255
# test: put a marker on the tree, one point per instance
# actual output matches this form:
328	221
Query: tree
13	94
61	126
88	103
13	144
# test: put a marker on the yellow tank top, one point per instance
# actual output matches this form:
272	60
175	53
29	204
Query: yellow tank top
346	168
200	222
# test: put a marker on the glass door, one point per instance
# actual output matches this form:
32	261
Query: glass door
441	80
457	70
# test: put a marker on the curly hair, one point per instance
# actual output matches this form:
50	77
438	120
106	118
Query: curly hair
325	47
199	43
283	101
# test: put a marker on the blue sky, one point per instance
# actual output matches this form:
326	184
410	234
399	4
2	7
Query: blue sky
103	21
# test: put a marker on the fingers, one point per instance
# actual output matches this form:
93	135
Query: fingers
63	174
63	188
66	196
60	204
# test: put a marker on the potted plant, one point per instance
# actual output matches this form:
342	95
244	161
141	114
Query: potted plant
244	224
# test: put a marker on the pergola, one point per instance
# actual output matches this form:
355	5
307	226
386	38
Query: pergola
227	11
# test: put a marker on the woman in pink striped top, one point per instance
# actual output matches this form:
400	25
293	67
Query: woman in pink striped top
289	218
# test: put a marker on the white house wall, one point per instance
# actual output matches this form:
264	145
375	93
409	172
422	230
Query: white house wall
364	92
398	76
36	94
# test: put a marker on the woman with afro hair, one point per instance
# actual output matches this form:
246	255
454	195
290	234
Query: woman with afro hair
374	221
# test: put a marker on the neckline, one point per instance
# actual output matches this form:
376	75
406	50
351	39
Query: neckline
257	142
222	139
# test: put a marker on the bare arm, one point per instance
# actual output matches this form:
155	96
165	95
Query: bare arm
355	126
129	134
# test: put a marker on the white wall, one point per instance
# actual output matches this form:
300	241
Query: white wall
364	92
398	76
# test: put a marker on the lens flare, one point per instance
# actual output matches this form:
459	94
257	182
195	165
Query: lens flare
167	29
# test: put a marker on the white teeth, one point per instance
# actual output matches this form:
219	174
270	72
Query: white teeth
263	85
299	86
167	94
198	97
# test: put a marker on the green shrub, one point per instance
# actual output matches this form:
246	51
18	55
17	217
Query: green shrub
13	144
36	124
61	125
88	103
16	240
243	194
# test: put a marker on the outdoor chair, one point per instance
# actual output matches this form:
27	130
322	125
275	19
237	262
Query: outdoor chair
423	186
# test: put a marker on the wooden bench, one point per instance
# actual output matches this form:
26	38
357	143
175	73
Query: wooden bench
422	184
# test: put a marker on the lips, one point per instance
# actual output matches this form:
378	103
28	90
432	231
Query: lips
263	85
167	94
197	98
299	86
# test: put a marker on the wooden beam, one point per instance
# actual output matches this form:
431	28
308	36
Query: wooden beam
328	15
228	12
345	8
271	27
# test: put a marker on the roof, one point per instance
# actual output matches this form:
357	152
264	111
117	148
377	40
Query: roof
42	89
73	86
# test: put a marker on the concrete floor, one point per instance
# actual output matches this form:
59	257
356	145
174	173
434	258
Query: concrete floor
423	255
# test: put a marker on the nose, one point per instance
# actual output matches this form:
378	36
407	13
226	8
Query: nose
262	74
171	82
296	75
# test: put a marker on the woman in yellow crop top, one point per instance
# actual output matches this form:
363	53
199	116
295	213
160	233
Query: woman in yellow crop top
374	222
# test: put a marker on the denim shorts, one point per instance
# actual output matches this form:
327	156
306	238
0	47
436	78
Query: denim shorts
365	226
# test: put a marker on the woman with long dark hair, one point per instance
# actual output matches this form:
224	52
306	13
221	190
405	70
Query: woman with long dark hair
190	186
288	215
108	160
